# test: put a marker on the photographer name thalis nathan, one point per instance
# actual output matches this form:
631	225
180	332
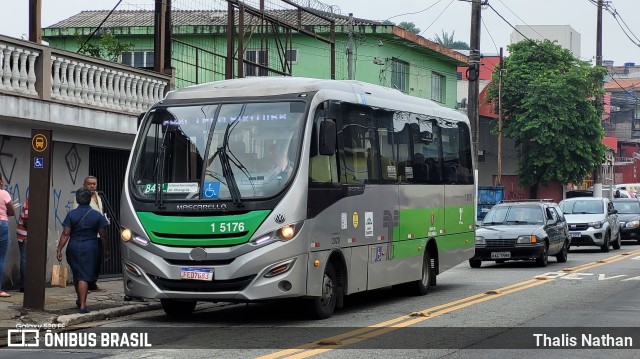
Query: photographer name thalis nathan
585	340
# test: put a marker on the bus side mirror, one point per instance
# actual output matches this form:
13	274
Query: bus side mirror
327	140
140	117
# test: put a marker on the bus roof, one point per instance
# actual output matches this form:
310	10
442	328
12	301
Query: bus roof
354	91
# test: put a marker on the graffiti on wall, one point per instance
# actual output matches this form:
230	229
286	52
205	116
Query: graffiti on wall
17	183
72	159
61	206
7	161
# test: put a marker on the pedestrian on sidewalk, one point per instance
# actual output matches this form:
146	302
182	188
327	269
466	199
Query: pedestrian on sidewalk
6	210
81	229
91	183
21	234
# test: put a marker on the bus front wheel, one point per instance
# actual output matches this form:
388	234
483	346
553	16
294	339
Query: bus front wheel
177	308
322	307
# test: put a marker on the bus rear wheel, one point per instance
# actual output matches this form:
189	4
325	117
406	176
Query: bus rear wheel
421	287
322	307
178	308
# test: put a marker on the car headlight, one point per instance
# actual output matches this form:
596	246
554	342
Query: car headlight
632	224
128	235
283	234
527	239
480	241
595	225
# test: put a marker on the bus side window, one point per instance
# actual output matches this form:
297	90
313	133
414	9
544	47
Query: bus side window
322	169
358	145
456	148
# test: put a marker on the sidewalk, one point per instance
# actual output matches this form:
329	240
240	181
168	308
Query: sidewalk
60	306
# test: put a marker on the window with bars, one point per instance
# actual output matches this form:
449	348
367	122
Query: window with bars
259	57
138	58
400	75
292	56
437	87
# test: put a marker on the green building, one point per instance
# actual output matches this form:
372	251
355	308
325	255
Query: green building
382	54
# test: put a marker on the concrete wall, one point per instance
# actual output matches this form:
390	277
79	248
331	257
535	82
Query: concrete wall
69	168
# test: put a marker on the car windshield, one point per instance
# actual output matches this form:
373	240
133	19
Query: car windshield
583	206
627	207
514	215
218	151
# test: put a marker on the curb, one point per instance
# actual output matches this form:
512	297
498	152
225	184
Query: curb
74	319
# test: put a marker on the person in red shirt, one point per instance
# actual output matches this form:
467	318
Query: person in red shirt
21	234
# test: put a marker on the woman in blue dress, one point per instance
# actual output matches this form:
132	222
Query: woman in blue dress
81	228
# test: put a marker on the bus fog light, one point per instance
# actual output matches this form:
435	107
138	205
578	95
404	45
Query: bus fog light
285	285
280	268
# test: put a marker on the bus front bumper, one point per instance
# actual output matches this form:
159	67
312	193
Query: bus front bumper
147	275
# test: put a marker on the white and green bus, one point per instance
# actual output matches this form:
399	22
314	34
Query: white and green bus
262	188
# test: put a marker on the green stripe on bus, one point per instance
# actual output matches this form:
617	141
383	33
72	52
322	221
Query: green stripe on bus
188	231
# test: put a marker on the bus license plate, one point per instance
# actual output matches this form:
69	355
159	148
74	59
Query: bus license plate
576	234
196	273
500	255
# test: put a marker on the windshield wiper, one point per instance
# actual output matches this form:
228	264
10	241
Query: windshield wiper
227	172
158	171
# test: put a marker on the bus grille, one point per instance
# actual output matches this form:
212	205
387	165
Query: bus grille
230	285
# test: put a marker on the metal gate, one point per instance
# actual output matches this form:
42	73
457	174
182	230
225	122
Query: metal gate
109	166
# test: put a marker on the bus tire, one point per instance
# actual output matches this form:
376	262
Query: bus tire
322	307
178	308
474	263
421	287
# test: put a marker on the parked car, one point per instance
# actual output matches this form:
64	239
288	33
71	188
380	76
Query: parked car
522	230
592	222
629	218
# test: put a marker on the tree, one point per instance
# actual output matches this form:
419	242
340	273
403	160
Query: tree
107	48
448	41
409	26
549	105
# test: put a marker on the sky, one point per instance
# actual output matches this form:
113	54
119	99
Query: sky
430	16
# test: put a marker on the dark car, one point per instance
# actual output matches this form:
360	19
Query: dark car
524	230
629	218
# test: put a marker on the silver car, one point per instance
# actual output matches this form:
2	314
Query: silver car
593	221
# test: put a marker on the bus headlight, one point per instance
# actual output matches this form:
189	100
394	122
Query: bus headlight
128	235
286	232
283	234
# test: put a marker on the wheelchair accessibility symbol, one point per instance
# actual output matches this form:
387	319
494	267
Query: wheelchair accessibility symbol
38	162
211	190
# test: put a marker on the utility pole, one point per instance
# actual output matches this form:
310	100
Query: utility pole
350	49
159	36
499	177
597	174
473	73
35	21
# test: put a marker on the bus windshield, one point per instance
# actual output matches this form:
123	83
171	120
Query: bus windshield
218	151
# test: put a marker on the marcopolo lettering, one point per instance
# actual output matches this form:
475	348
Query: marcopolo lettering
202	207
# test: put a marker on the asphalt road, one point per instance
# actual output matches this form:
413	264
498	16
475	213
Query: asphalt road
498	310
